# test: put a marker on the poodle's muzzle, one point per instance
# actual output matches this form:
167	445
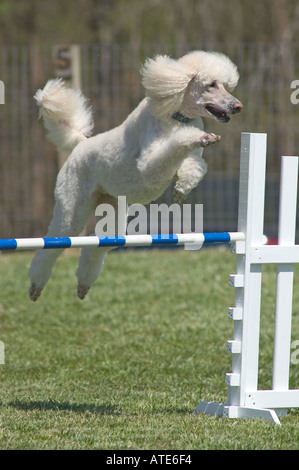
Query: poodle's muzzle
223	115
222	103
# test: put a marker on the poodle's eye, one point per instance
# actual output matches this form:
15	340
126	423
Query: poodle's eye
213	84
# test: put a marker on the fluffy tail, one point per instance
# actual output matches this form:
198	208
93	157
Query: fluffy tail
65	113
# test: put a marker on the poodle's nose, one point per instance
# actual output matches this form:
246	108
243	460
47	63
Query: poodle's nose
237	107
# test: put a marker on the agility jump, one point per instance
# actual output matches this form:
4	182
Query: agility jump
244	399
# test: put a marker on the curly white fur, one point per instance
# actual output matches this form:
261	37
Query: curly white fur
65	113
166	80
160	141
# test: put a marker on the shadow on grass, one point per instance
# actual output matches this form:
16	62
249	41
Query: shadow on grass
84	407
65	406
183	411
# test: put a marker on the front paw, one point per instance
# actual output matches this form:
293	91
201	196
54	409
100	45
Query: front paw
208	139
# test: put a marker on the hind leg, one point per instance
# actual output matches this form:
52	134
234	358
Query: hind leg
90	265
68	220
92	259
40	271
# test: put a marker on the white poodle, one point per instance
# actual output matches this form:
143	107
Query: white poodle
160	141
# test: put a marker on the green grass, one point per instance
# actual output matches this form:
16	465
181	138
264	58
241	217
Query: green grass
125	368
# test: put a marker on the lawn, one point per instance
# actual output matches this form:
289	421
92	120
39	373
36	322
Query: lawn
125	368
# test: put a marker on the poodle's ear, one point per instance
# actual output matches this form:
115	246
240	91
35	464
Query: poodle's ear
165	81
163	77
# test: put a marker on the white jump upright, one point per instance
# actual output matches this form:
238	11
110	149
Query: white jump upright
244	398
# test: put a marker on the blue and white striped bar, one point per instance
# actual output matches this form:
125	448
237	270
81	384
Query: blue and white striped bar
126	240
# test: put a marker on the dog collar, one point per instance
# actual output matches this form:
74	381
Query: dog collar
181	118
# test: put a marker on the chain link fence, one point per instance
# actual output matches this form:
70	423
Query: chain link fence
109	77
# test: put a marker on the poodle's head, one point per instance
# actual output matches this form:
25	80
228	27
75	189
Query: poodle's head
194	85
